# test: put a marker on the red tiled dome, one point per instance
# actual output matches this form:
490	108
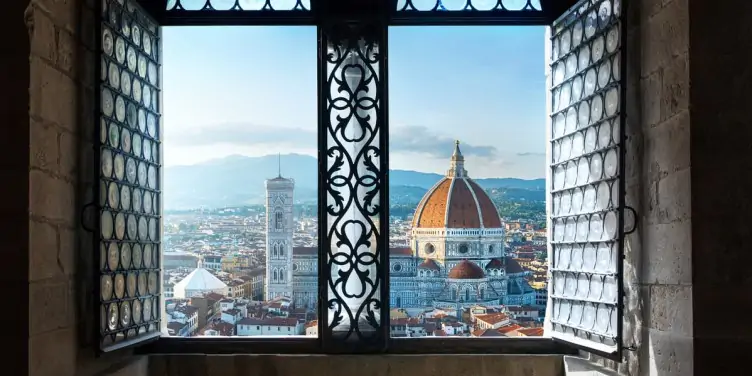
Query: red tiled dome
456	201
495	264
429	264
466	270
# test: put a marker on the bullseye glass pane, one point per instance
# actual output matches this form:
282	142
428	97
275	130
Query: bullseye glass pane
586	172
129	43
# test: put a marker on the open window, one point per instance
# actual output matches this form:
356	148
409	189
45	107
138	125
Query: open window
585	206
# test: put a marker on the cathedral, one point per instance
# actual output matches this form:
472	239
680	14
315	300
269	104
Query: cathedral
456	257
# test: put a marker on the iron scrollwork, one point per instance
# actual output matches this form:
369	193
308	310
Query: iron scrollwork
354	179
238	5
468	5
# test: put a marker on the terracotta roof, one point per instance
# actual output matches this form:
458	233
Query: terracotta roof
487	333
429	264
439	333
531	332
509	328
466	270
456	201
400	252
224	328
214	296
495	264
309	251
492	318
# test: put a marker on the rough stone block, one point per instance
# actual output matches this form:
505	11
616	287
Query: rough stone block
43	251
64	12
69	154
667	253
53	95
53	353
66	52
674	197
665	35
51	198
51	307
43	146
138	366
42	33
667	146
666	354
675	88
651	105
670	309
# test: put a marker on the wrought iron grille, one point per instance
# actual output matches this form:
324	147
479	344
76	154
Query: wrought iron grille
353	186
587	201
129	194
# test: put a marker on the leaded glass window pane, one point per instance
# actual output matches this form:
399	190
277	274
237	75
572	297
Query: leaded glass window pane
586	176
129	154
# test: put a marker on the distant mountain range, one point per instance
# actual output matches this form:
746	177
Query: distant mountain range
239	180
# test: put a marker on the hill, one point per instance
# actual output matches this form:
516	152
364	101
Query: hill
239	180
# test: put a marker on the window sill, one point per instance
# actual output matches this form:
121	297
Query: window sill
311	346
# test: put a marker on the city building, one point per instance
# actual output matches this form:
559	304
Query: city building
199	282
456	258
279	233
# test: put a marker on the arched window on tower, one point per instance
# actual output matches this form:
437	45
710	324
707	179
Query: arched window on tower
275	275
454	294
278	220
274	250
282	275
282	250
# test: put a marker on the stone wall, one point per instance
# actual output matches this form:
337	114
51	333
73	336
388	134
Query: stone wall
658	267
61	177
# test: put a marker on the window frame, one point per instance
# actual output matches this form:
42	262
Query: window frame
322	13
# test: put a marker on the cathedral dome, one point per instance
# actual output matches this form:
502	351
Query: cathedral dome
495	264
456	201
466	270
429	264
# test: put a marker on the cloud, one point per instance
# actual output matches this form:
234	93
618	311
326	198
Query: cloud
241	135
419	139
531	154
413	139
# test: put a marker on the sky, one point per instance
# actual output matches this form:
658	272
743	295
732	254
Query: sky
252	91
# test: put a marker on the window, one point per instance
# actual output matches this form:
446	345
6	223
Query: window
585	200
278	220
